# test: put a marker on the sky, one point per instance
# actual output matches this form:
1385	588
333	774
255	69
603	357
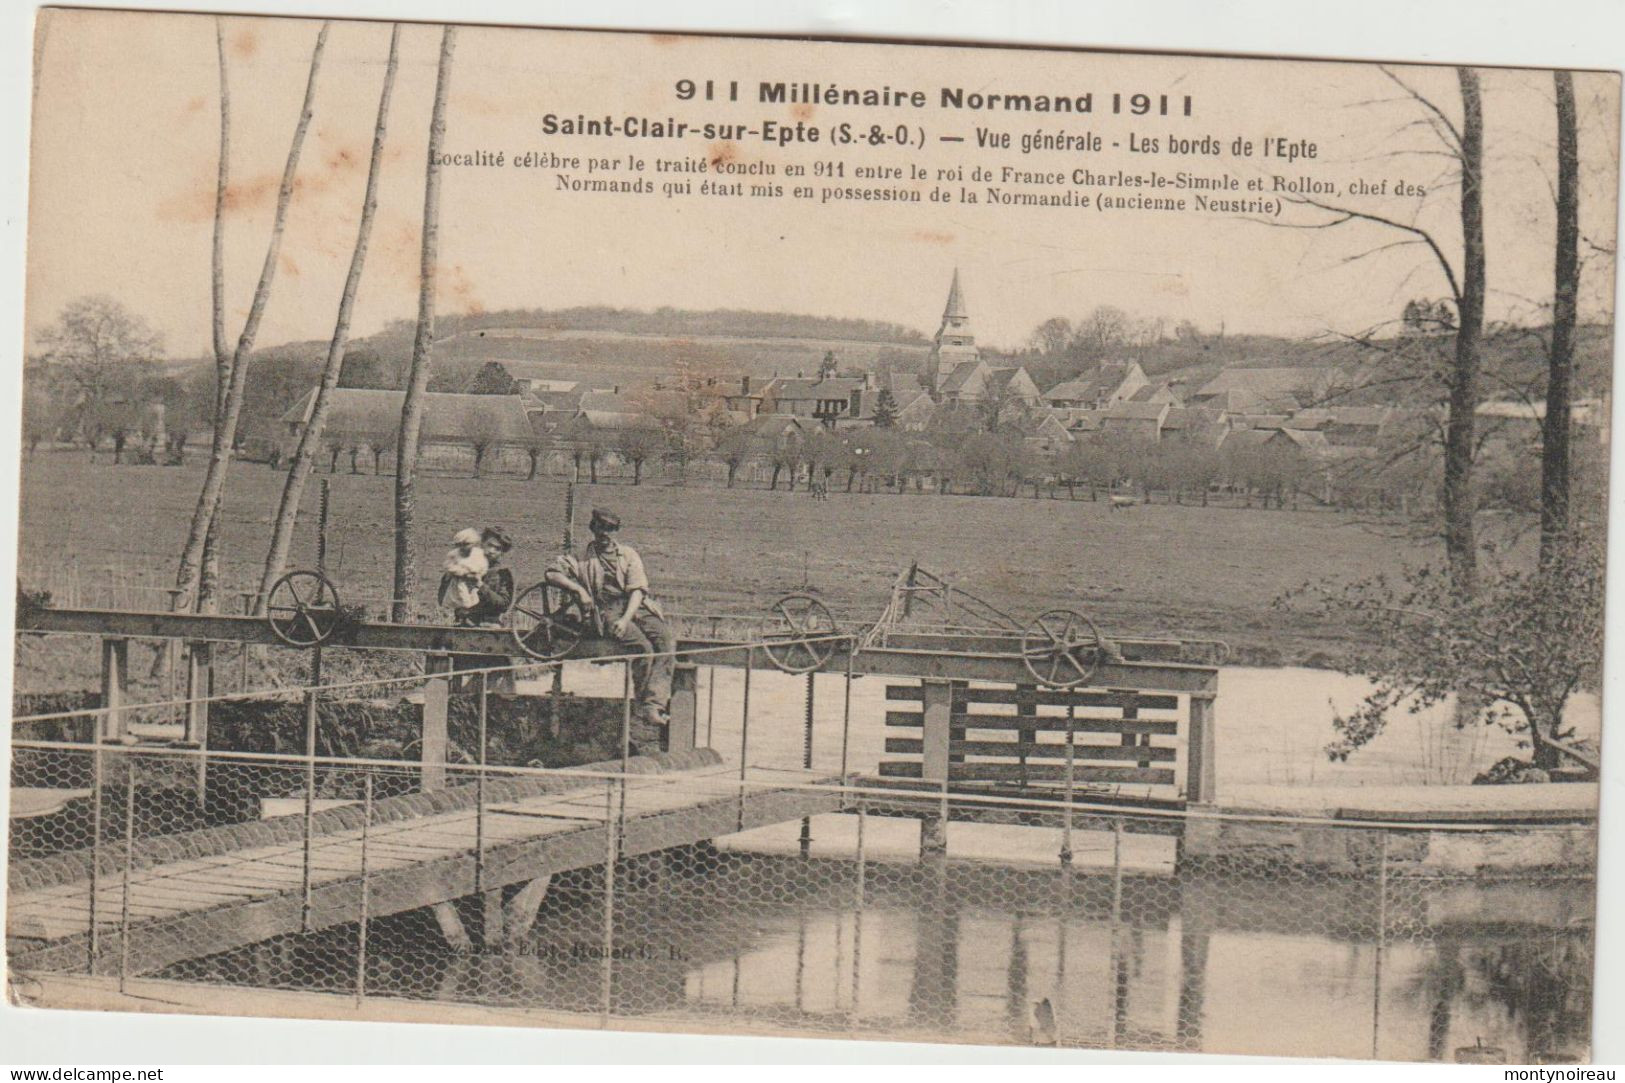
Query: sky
125	141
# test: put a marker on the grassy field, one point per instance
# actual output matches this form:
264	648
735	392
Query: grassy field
1211	571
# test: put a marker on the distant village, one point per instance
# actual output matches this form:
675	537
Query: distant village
959	418
1250	428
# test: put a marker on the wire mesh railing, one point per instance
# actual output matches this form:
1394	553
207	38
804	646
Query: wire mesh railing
677	891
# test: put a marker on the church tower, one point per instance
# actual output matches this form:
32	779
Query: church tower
954	343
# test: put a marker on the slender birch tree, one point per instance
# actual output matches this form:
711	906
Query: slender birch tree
208	586
406	448
311	438
225	424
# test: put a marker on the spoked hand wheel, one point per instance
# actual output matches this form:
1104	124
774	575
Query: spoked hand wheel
798	634
1062	648
303	608
547	622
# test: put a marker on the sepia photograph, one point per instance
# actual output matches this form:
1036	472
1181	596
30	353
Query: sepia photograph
721	535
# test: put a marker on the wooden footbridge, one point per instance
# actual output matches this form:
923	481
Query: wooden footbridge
135	906
138	908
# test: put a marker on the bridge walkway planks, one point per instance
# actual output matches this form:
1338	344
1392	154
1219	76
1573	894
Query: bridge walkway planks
191	908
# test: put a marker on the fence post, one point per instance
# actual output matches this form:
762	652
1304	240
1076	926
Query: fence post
366	892
1026	708
1200	750
491	900
607	977
199	687
937	700
129	860
857	918
555	721
312	700
97	793
744	736
1119	967
626	713
846	707
710	699
436	711
1071	762
806	765
1382	939
681	732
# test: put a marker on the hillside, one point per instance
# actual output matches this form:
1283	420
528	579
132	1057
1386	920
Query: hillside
631	347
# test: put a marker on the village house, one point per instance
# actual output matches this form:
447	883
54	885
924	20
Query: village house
975	382
1112	382
1044	432
1194	425
824	399
1136	420
1164	391
369	418
601	414
914	408
1272	390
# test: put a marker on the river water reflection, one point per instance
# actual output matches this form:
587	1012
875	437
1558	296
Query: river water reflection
997	943
967	951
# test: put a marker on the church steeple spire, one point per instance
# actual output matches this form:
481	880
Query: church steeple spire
955	344
955	309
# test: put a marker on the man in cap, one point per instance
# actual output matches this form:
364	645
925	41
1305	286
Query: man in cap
609	578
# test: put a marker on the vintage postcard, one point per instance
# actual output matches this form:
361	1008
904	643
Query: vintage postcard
816	538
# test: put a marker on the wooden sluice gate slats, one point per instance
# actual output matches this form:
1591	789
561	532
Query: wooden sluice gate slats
948	753
193	907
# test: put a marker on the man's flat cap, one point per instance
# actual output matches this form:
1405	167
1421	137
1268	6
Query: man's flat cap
605	518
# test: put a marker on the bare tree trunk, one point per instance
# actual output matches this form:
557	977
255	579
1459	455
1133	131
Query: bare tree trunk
209	582
1461	546
1554	454
225	428
406	450
311	436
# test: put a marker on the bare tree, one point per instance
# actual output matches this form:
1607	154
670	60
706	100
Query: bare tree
637	446
1460	507
309	439
1102	331
535	448
97	352
406	448
1053	336
1555	452
381	444
225	428
484	434
1464	143
734	446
